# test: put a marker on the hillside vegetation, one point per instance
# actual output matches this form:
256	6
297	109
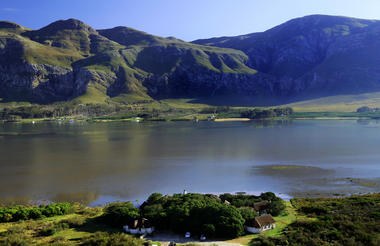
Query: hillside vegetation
332	221
325	60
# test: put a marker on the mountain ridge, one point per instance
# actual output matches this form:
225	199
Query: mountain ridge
304	58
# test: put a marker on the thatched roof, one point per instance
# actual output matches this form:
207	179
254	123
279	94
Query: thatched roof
258	206
264	220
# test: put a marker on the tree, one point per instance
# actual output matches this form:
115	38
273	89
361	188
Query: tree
154	198
121	213
268	196
248	213
276	207
156	214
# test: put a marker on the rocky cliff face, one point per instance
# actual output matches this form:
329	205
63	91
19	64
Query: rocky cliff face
303	58
314	55
68	59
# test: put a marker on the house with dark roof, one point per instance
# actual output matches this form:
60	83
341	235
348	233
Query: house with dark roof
261	223
260	207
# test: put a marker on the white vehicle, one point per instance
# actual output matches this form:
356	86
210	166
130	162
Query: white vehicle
187	235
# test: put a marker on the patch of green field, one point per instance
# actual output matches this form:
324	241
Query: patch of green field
95	93
341	103
184	103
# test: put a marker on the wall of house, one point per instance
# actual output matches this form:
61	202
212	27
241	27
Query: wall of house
252	230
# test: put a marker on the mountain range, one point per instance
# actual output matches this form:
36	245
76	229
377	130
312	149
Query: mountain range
305	58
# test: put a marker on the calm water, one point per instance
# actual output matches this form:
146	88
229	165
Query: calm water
103	162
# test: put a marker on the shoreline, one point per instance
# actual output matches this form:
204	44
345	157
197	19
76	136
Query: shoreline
94	120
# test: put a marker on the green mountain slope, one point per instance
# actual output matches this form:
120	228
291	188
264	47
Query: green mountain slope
69	59
314	56
305	58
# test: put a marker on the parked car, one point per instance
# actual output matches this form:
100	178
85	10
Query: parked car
187	235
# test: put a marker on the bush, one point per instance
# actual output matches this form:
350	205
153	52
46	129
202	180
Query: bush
314	210
119	214
16	213
56	209
15	240
47	231
276	207
74	222
208	229
247	213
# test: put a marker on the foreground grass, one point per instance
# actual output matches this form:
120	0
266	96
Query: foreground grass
71	229
322	221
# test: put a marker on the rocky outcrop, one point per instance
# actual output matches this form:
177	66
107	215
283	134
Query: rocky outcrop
42	83
315	55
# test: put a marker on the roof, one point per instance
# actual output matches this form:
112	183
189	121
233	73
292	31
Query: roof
264	220
260	205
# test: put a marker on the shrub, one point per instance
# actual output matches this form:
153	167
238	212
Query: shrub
314	210
248	213
276	207
16	213
47	231
15	240
119	214
208	229
56	209
74	222
156	214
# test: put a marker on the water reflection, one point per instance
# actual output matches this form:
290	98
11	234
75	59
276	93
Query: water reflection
85	198
128	160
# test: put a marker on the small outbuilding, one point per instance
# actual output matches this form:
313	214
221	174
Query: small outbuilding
261	223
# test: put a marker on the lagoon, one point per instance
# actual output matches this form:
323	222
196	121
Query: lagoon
97	163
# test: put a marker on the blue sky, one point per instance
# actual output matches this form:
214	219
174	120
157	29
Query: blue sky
185	19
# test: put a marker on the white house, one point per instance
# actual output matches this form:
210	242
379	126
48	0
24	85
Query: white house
261	223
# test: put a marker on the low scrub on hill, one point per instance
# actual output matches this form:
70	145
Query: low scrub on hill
334	221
